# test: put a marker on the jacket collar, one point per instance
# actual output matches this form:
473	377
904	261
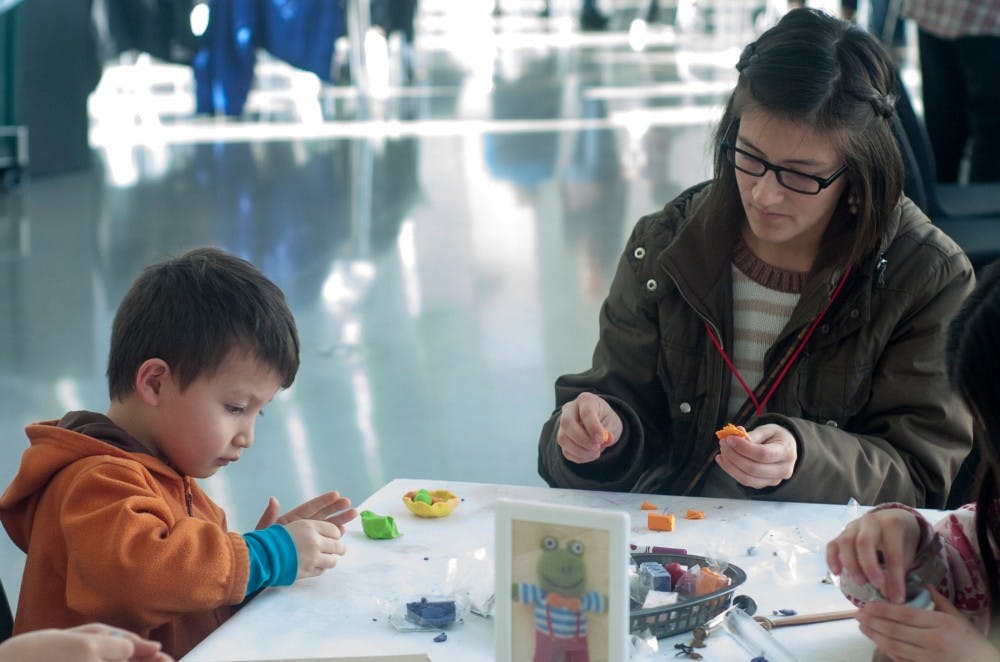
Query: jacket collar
705	282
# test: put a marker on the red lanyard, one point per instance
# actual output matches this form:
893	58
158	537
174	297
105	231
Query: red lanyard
787	361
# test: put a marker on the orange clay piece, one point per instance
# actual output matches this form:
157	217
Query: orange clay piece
730	430
660	522
694	514
710	581
607	438
649	506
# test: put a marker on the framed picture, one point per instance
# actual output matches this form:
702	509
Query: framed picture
561	583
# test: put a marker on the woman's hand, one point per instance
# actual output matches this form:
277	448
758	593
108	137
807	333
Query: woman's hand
893	534
587	425
917	635
765	458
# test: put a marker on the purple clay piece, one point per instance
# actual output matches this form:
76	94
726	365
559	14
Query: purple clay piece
441	637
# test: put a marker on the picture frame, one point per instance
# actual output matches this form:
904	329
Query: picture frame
561	582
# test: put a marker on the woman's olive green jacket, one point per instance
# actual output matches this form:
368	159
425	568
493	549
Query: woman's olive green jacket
868	400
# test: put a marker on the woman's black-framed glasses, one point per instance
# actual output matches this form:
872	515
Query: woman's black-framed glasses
793	180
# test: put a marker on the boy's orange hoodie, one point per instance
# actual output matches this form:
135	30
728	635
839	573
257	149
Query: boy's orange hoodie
118	536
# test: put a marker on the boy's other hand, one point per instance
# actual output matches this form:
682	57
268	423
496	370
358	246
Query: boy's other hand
317	543
329	507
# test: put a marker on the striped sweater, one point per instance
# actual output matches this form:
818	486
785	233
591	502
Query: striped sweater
763	300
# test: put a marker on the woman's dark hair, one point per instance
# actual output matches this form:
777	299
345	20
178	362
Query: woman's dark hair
193	312
834	77
973	355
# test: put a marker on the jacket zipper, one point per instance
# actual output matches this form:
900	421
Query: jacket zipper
718	408
189	499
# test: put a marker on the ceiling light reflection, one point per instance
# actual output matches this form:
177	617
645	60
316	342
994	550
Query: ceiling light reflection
407	248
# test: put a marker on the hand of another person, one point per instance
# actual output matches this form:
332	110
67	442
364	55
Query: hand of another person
329	507
918	635
765	458
317	543
587	425
94	642
892	533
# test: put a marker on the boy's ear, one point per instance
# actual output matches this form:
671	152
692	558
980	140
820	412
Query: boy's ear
150	379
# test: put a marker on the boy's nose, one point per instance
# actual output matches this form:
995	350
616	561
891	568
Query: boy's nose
245	438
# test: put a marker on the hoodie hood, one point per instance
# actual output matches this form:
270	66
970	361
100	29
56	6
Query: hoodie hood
57	444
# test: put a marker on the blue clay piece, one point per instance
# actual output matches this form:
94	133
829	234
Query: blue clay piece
441	637
655	576
785	612
431	614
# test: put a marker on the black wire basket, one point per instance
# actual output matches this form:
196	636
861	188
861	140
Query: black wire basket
685	615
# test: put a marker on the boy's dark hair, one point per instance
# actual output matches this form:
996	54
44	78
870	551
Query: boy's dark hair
973	354
193	311
835	77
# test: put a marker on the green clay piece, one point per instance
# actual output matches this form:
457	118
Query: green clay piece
378	527
423	496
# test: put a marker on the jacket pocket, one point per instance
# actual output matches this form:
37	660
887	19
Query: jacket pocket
833	392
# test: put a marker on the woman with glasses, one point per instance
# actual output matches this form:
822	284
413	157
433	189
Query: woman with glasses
797	294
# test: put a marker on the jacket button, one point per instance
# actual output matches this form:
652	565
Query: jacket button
832	423
685	408
824	328
639	253
854	313
651	285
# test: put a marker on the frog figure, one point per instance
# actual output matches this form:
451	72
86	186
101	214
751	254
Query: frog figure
561	602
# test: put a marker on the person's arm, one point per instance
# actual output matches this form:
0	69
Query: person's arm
908	440
134	560
272	557
94	642
623	374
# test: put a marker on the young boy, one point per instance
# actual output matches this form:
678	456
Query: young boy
114	525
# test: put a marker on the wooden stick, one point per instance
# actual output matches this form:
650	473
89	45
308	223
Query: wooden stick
805	619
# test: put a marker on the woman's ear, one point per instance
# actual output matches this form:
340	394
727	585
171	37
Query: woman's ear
150	379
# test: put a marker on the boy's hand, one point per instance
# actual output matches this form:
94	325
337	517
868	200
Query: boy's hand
317	543
905	633
329	507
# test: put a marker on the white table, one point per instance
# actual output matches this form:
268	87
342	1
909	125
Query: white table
344	611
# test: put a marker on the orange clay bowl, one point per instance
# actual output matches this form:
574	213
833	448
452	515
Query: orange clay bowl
444	503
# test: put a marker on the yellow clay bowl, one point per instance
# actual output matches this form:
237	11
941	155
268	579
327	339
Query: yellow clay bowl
444	503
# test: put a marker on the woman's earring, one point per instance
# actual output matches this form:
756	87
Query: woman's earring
852	204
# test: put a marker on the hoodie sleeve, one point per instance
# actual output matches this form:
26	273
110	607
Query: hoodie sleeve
134	555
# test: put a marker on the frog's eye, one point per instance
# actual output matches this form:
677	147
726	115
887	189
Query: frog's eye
550	543
576	547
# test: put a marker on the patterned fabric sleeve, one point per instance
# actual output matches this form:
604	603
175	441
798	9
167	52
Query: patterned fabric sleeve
948	557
